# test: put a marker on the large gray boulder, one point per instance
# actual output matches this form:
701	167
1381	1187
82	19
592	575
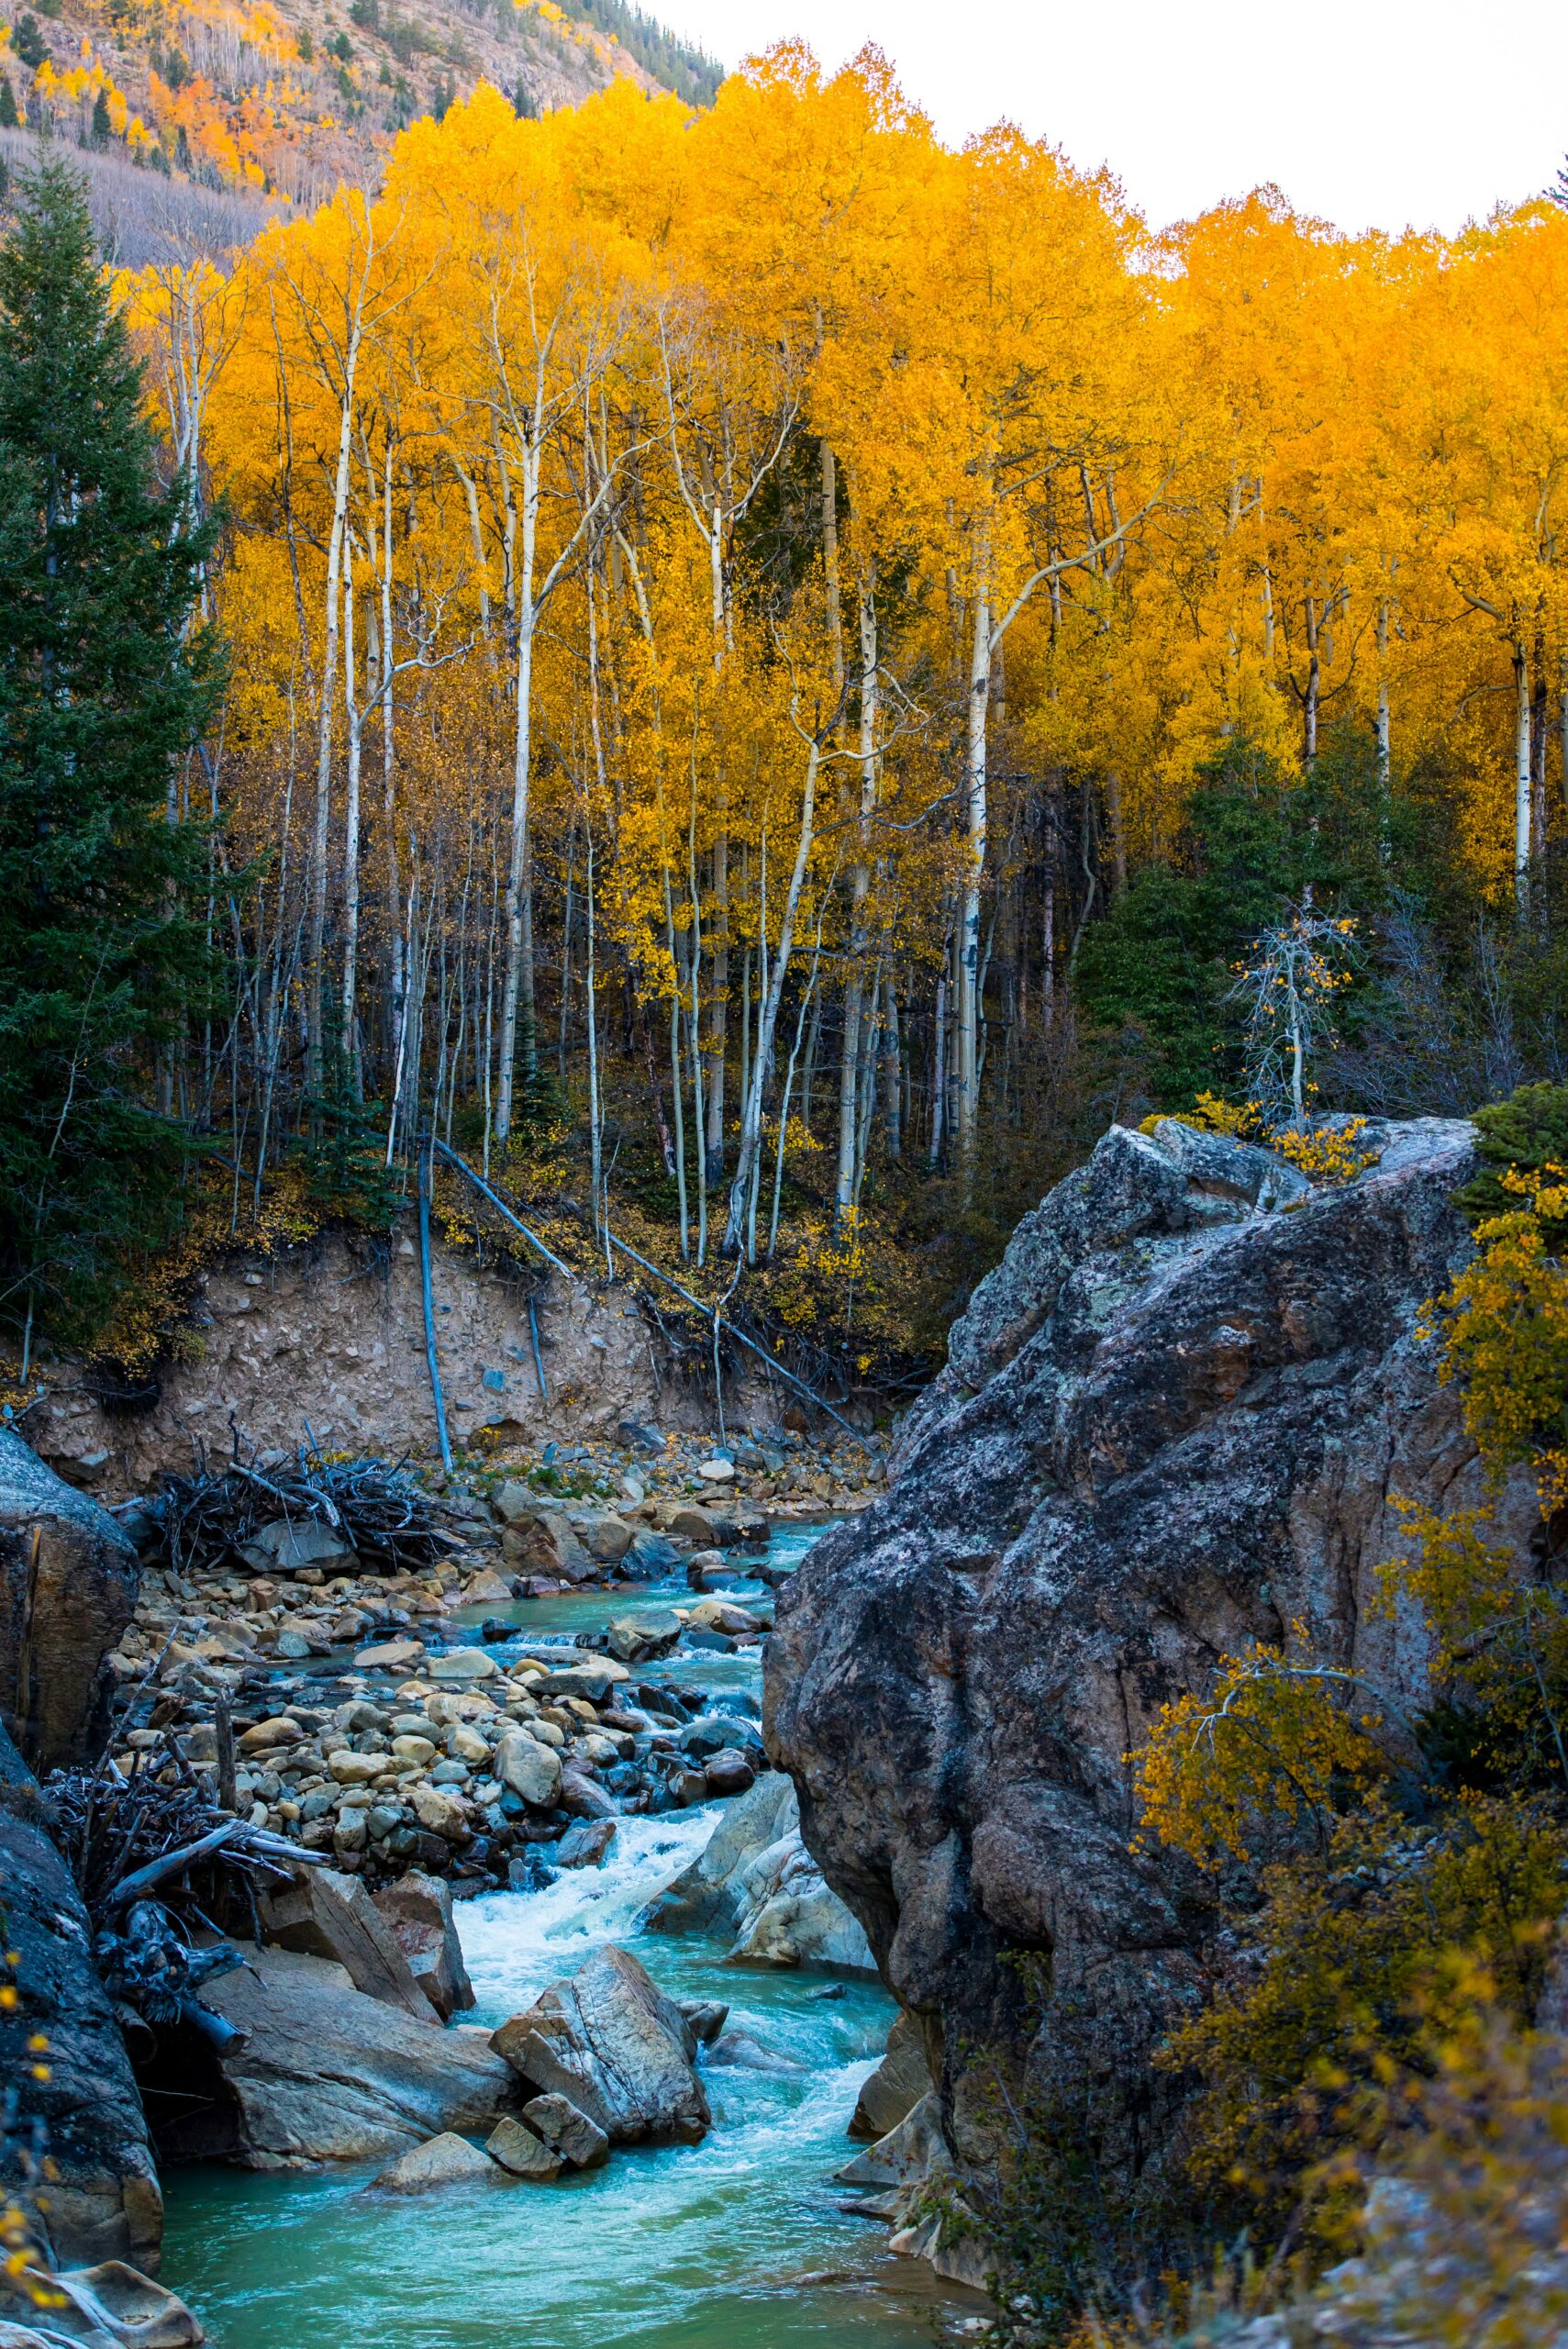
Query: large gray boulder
68	1588
104	2201
325	2073
1173	1421
610	2042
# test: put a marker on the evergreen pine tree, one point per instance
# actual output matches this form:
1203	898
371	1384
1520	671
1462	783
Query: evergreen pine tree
103	691
9	118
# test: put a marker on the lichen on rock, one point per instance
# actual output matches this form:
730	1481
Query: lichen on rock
1173	1423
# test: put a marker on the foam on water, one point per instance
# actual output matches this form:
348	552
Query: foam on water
516	1942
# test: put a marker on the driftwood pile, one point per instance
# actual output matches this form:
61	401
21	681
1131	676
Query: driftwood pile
157	1862
215	1521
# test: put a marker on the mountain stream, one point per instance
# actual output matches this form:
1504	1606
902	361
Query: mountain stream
739	2242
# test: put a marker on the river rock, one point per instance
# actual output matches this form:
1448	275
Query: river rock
285	1547
704	1897
1172	1421
460	1665
607	1538
105	2202
441	1813
688	1522
891	2093
583	1798
389	1655
586	1845
486	1588
328	1914
592	1680
68	1580
542	1541
722	1615
531	1769
567	2131
786	1915
649	1556
114	2306
652	1632
525	2155
279	1729
728	1772
911	2153
446	2160
612	2042
325	2073
418	1912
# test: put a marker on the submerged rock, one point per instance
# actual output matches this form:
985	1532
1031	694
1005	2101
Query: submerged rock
446	2160
1172	1423
746	2052
611	2042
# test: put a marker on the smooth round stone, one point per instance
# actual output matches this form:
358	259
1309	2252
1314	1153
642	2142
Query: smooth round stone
460	1665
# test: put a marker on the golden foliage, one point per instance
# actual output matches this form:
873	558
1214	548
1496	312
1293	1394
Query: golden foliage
1271	1745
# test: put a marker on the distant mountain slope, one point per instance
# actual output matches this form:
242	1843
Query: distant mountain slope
282	98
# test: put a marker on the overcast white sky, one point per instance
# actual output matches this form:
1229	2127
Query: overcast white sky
1373	113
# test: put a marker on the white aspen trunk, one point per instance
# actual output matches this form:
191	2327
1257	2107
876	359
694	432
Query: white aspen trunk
476	532
388	771
1117	814
830	566
354	717
693	1031
1521	781
847	1187
751	1118
868	1073
966	1106
807	1003
512	986
595	1114
595	1108
320	834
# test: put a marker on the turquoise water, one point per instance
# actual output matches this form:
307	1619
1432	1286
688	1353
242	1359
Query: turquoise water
735	2243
